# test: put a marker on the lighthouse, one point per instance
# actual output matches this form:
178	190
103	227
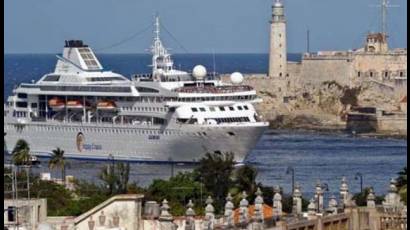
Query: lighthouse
277	48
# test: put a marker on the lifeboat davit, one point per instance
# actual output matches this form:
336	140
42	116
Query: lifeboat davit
56	104
106	105
75	104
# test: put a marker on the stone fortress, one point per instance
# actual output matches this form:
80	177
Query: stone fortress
310	93
375	61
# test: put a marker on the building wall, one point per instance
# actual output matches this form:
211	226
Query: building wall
392	124
317	70
379	64
30	213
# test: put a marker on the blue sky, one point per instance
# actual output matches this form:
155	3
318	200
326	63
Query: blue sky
201	26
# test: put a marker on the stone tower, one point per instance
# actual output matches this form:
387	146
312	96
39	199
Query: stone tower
277	51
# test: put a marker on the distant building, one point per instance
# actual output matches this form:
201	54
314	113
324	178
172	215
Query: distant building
24	213
277	52
376	43
373	62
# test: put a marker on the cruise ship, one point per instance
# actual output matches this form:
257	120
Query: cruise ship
167	115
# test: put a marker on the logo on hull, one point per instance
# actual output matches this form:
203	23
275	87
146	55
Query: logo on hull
80	141
81	145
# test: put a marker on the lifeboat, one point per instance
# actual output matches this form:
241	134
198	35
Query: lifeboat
106	105
75	104
56	104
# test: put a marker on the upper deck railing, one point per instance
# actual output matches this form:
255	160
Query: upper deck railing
214	89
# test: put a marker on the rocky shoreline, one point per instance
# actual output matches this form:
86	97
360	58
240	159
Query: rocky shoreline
293	104
306	123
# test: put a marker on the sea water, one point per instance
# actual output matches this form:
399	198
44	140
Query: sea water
313	156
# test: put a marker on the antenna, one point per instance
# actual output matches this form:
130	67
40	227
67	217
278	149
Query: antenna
384	5
157	25
307	41
214	63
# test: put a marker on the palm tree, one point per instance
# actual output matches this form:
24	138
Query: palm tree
58	161
402	178
21	153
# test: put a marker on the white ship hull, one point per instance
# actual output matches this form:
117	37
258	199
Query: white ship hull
187	143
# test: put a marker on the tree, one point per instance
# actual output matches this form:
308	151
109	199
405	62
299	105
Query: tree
215	171
402	184
245	179
402	178
116	177
58	161
178	190
21	153
361	197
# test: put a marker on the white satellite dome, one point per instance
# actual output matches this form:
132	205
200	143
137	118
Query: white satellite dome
199	72
236	78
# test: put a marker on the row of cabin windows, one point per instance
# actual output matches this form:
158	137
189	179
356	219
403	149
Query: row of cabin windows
162	99
231	119
221	108
19	114
221	98
101	130
145	109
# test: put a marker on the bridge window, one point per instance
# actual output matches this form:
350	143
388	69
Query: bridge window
245	107
194	110
222	108
21	104
231	108
22	95
52	78
202	109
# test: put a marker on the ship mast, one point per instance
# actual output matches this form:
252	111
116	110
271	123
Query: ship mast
161	59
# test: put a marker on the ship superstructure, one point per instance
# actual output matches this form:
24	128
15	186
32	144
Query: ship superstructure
167	115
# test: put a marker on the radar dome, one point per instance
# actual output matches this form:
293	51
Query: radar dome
199	72
236	78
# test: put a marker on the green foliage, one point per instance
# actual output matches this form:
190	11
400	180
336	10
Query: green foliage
58	198
403	194
77	207
58	161
245	179
21	153
361	198
402	184
115	177
84	188
402	178
177	190
215	171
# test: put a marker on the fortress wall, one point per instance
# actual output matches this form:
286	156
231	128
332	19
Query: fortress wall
294	69
392	124
378	64
319	70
